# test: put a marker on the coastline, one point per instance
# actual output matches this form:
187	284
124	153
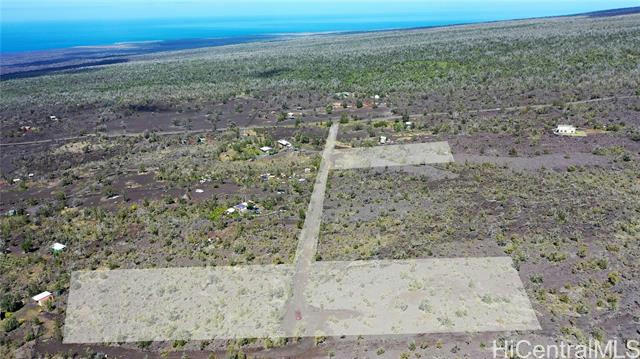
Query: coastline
42	62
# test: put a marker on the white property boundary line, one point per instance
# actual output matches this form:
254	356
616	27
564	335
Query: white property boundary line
392	155
307	298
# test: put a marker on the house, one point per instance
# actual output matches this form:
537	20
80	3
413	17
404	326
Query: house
383	140
43	298
243	207
53	118
58	247
266	149
564	130
291	116
284	143
408	124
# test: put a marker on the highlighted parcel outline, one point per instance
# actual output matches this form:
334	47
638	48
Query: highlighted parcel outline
344	298
305	298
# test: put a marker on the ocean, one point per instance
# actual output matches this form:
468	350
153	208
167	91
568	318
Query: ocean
24	36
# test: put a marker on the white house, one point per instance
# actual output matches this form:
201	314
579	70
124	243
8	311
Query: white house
58	247
564	130
284	143
43	297
242	207
383	140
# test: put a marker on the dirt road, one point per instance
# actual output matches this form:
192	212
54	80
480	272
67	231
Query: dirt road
308	240
335	118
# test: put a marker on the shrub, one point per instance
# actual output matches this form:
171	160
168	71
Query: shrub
10	324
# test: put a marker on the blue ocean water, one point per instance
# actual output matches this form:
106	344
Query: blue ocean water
22	36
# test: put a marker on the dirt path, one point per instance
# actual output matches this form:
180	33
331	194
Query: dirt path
335	118
308	240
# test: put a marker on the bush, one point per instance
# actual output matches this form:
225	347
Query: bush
344	118
27	245
10	324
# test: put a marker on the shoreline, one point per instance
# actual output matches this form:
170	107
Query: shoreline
25	64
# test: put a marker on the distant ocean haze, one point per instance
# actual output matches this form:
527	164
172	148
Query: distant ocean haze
42	35
22	36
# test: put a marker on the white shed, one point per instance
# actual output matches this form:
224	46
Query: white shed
284	143
57	247
564	130
43	297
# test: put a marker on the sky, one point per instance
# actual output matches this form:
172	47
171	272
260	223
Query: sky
57	10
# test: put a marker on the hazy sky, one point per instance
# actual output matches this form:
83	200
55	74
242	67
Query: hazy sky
43	10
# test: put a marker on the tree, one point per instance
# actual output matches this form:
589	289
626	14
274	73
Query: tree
10	303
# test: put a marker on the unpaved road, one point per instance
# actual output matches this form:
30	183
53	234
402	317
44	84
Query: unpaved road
335	118
308	240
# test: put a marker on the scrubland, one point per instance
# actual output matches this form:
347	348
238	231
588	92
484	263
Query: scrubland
145	158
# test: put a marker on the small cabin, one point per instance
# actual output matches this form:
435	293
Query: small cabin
564	130
43	298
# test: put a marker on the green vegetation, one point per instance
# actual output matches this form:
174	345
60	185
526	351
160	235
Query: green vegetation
459	67
565	209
